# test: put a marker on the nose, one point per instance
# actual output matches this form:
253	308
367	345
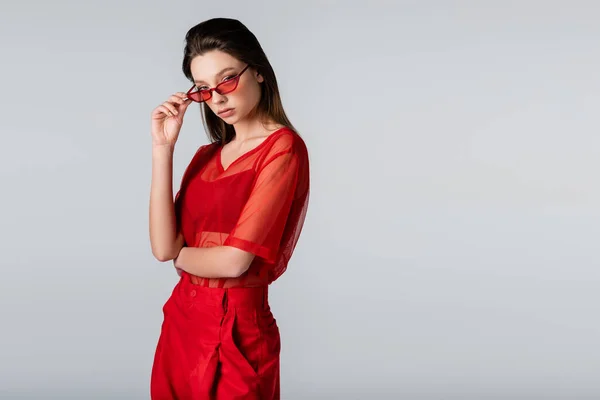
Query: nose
217	98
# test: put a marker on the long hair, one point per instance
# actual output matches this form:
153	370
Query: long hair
234	38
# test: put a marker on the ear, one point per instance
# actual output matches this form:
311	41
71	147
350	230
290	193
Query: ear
259	78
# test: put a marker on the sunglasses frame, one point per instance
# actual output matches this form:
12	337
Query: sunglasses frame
235	79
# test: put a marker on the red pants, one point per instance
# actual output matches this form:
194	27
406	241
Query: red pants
216	344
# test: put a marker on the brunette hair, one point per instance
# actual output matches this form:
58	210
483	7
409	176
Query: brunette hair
234	38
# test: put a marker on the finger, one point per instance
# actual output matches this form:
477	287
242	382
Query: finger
184	105
180	95
183	96
177	99
182	102
161	112
171	107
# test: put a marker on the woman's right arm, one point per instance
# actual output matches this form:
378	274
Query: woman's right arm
164	238
167	119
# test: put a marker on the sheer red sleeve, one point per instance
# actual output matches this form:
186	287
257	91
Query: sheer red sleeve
271	220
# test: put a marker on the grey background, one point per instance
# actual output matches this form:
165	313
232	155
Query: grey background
450	250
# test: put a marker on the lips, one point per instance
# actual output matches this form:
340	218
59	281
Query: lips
224	110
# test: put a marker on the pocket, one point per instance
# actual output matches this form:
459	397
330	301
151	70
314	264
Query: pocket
247	343
266	322
271	341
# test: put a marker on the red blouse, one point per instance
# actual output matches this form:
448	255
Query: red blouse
258	204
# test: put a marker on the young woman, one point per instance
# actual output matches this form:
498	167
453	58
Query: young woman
233	225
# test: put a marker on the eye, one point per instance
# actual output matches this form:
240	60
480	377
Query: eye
227	78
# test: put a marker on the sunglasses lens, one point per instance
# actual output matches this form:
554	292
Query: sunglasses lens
205	95
226	87
222	88
199	95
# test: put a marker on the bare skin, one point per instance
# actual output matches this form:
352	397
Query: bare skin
236	148
166	122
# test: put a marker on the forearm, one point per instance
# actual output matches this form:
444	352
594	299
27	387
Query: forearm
213	262
163	235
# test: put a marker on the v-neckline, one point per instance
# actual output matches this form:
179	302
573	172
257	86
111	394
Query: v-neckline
244	155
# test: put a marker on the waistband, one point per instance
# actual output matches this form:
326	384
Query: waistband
236	297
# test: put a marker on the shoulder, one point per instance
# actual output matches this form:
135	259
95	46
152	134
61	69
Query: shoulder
291	145
202	155
208	147
286	140
205	150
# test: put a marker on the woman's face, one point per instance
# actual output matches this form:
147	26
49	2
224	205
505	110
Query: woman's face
215	67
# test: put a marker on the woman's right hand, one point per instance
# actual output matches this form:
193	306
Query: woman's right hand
167	119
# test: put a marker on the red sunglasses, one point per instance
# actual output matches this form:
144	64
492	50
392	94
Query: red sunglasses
228	86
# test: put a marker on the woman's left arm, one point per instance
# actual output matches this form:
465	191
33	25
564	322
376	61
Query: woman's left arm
214	262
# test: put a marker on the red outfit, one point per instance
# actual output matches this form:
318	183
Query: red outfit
219	339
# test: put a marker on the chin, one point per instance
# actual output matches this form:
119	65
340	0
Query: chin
229	121
234	119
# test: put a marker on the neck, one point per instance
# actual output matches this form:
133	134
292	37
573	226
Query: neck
250	128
